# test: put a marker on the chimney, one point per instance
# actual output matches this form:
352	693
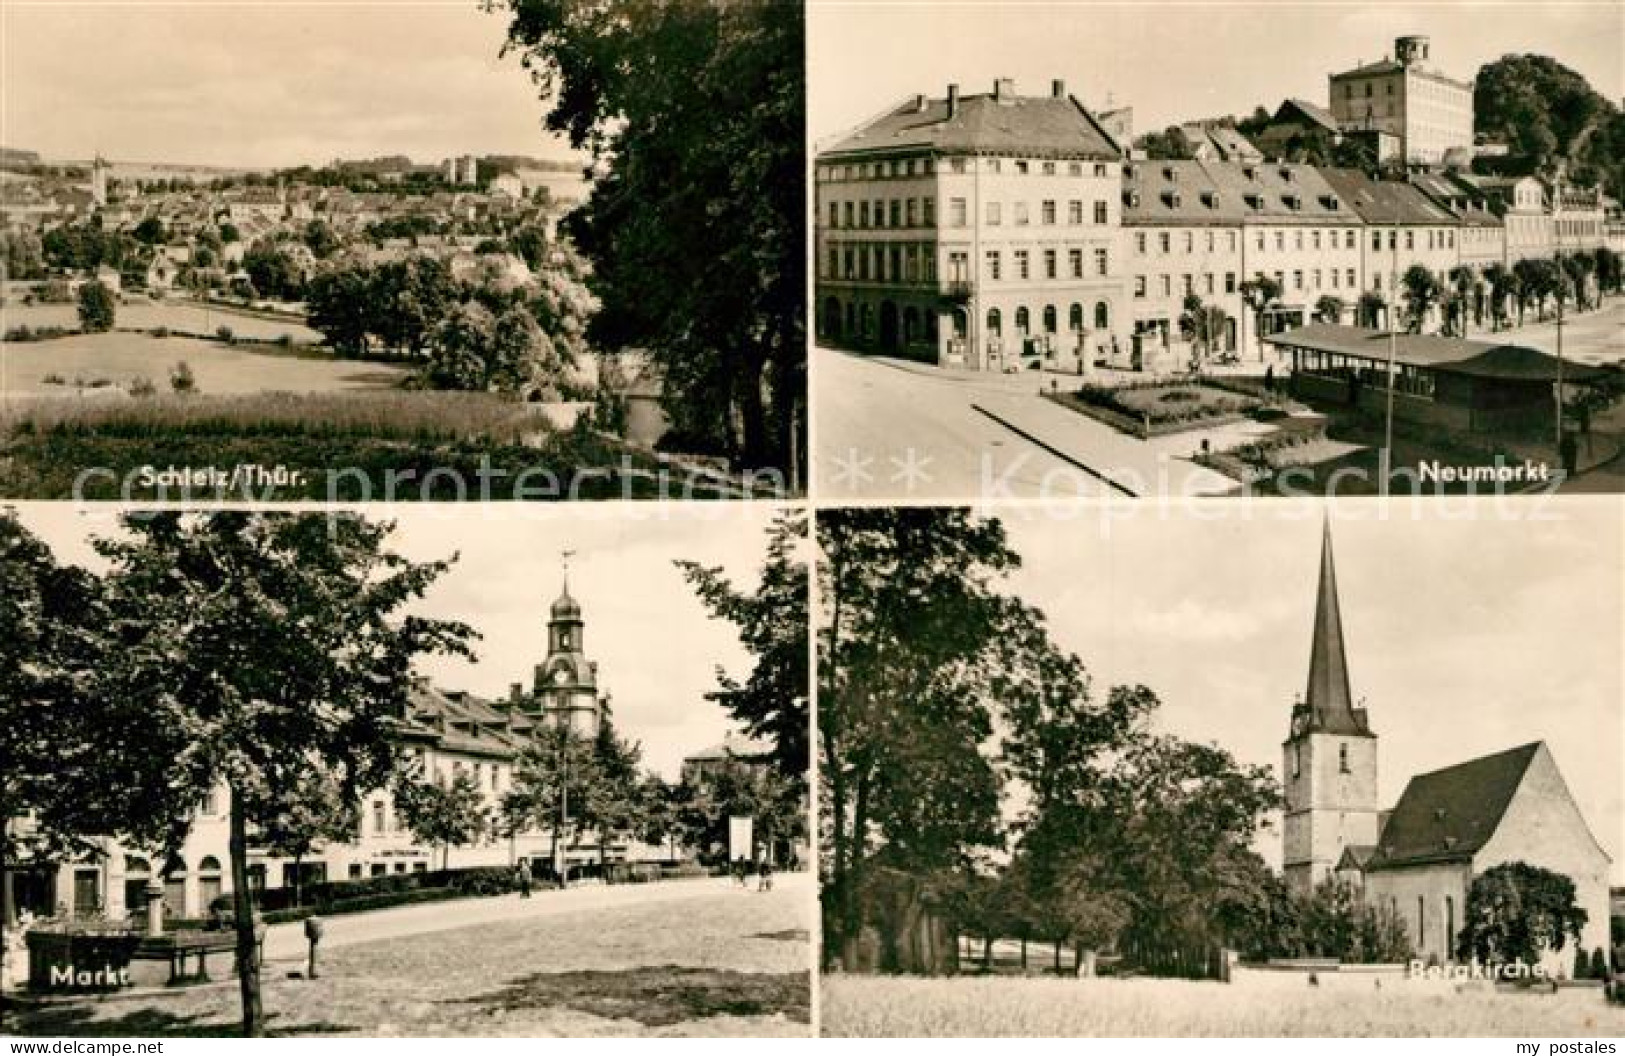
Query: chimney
1004	90
1057	88
516	691
919	103
953	100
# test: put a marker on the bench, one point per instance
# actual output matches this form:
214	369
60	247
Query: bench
180	947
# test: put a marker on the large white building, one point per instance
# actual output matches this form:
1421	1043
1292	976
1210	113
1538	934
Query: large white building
1429	111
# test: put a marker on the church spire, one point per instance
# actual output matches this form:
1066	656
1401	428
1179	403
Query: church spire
1328	705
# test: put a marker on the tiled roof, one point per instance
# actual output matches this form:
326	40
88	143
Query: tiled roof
1447	815
1228	192
1451	355
1318	115
1384	201
1033	125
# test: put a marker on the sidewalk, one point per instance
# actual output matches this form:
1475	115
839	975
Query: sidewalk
1153	468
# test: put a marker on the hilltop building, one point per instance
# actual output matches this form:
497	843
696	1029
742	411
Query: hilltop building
1420	857
1430	112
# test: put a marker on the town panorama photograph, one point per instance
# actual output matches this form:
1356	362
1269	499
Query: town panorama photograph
374	252
404	771
1142	250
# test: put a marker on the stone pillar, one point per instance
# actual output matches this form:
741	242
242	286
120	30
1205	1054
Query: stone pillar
155	906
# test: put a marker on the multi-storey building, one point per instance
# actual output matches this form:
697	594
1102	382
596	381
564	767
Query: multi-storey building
1430	112
1403	228
976	231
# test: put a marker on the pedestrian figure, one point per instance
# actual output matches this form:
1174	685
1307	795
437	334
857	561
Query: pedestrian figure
313	933
741	869
764	875
524	879
1269	378
1570	452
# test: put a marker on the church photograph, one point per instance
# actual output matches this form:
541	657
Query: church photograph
1332	770
403	736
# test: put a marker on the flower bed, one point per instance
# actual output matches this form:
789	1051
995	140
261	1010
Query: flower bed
1158	408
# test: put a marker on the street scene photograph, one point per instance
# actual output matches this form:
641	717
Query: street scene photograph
412	771
359	251
1164	251
1085	783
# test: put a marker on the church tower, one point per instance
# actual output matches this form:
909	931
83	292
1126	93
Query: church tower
565	691
1329	767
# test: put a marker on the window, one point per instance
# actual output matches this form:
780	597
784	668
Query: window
1074	168
1316	242
1163	241
993	214
1351	286
1139	285
1100	170
1348	239
1100	212
1410	243
1190	285
1024	320
378	817
1074	259
1376	244
894	213
1020	213
1280	241
1074	318
1315	279
1297	242
956	212
1049	168
1190	241
995	322
913	212
1229	282
1049	319
1297	279
1022	168
993	264
1210	241
1049	264
1074	212
1139	244
1022	270
1102	262
1207	282
1047	211
863	214
1297	759
1103	316
1342	758
835	215
956	164
1167	285
928	206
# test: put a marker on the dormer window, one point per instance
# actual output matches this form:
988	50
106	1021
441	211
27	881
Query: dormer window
1210	199
1255	201
1131	171
1286	175
1250	172
1292	201
1131	199
1330	202
1170	174
1172	198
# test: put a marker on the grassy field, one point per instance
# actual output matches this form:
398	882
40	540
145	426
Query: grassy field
176	315
117	360
1004	1007
729	964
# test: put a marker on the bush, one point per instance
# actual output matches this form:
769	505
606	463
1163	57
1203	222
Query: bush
143	387
159	331
226	334
25	333
53	378
284	340
181	379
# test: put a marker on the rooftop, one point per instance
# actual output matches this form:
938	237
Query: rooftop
999	122
1452	355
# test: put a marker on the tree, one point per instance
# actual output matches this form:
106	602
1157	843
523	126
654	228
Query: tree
1329	309
772	703
438	812
1370	308
1608	269
1464	281
907	664
1503	284
22	256
1536	105
1422	292
273	272
340	306
262	648
321	238
316	813
720	164
98	308
612	801
1202	324
150	231
550	783
1258	293
1514	911
1529	282
1168	145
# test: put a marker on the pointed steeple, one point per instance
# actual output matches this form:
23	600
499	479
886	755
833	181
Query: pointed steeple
1328	706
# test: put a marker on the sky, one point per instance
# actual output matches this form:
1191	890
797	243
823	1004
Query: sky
263	83
657	649
1464	636
1171	61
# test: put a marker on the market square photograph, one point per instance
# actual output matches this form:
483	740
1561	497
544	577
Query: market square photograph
1141	250
404	772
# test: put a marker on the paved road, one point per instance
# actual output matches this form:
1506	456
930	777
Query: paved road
286	942
890	429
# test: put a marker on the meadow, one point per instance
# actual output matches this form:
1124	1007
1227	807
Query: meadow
103	365
873	1006
176	315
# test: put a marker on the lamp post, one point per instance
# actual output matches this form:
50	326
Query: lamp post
1385	462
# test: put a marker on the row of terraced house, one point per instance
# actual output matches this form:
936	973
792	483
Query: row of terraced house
994	230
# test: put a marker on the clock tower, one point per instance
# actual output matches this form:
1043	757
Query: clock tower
565	690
